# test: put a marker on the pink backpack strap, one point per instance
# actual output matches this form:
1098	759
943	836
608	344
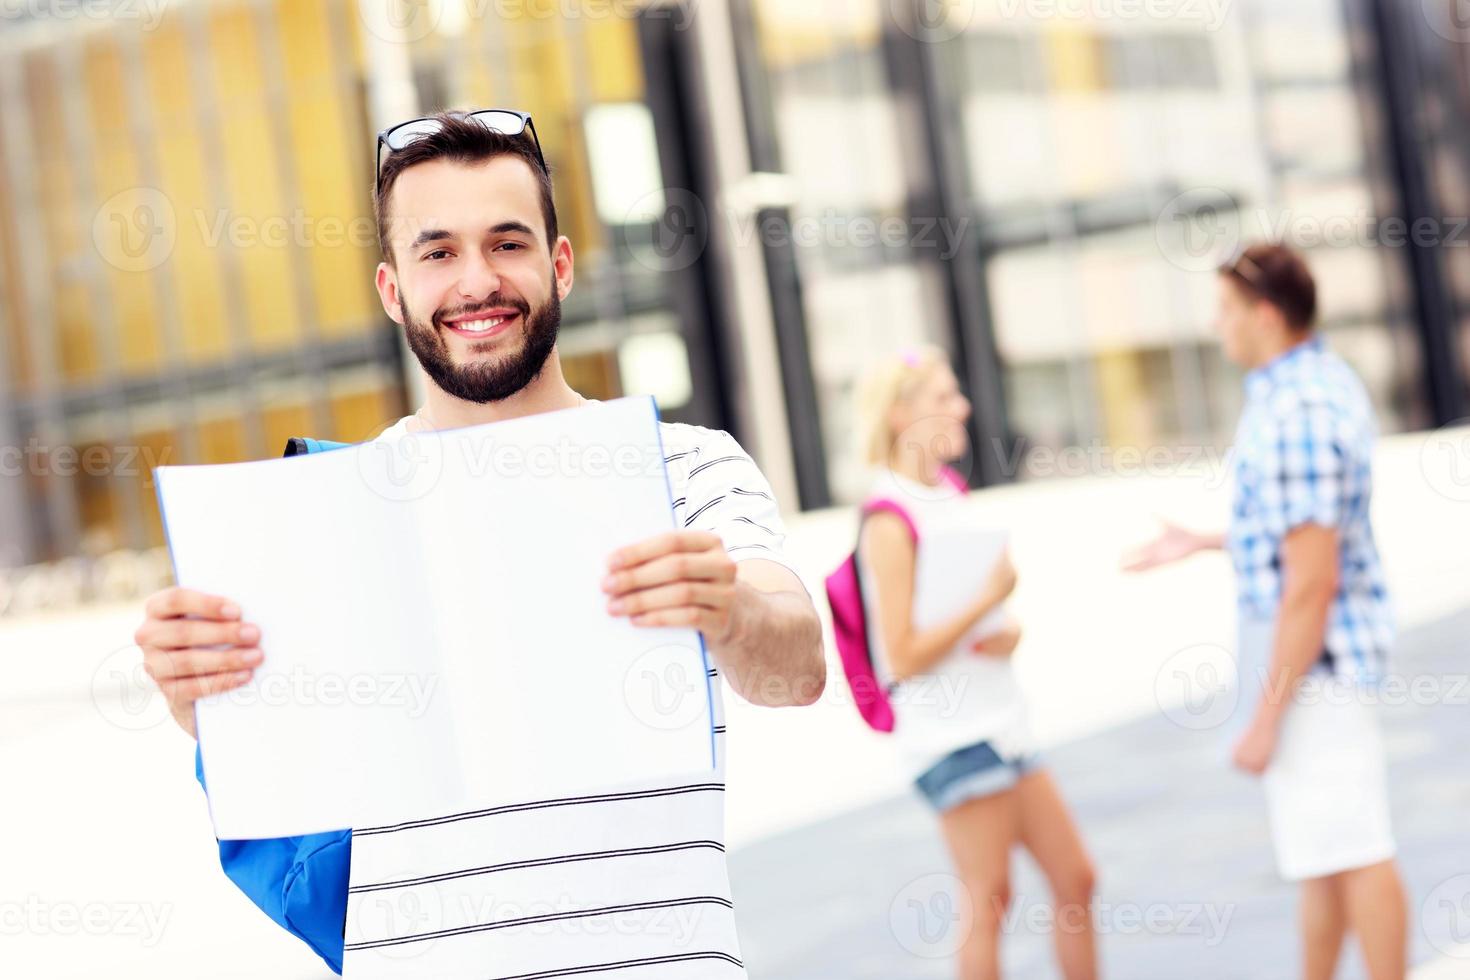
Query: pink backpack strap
877	504
953	477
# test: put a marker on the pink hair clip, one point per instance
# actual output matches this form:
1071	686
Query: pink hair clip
910	357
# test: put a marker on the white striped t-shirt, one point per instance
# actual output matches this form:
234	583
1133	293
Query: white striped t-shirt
629	881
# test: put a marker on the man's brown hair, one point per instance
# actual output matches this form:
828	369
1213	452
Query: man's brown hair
1278	275
459	140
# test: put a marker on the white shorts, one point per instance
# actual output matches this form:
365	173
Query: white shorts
1327	784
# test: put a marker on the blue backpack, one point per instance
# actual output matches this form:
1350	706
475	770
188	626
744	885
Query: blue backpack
300	882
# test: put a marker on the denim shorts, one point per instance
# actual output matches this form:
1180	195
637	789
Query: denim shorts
970	773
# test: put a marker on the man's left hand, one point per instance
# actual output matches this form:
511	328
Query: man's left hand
680	578
1254	750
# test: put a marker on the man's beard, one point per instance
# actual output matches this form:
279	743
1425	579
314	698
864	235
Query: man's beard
486	380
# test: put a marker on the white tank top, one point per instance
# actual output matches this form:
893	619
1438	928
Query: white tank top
967	697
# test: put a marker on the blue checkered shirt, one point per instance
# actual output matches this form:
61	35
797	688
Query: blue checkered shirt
1303	454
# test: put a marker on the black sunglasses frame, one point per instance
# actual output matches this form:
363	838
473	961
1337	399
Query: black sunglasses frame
527	126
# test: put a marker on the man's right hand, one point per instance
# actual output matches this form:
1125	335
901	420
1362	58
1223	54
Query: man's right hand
194	644
1174	544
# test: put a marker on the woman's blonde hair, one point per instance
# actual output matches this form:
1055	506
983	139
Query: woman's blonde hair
884	386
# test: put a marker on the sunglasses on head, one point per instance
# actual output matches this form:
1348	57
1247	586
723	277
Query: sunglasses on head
509	122
1245	267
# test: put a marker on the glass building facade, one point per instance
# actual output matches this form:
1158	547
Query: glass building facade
187	250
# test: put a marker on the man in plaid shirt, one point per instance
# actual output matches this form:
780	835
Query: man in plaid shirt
1315	622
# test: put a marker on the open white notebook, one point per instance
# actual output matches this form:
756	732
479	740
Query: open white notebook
434	630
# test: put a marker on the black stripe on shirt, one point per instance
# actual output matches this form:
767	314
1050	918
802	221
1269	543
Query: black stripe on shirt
750	493
532	920
756	524
713	462
637	794
542	862
626	964
707	506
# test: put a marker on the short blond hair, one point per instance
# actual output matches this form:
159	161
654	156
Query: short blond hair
885	385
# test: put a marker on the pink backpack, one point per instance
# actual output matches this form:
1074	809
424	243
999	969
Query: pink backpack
850	621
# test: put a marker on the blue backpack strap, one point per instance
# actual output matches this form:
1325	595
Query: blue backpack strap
300	446
300	882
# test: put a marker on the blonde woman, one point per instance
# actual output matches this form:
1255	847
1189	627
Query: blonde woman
973	762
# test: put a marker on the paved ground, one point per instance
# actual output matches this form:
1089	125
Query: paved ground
1187	891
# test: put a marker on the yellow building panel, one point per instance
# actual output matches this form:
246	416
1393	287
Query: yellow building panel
106	89
1123	392
359	415
221	440
156	447
79	358
1074	60
257	207
305	40
198	247
97	506
251	180
14	304
614	66
234	56
335	226
129	217
283	420
166	67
